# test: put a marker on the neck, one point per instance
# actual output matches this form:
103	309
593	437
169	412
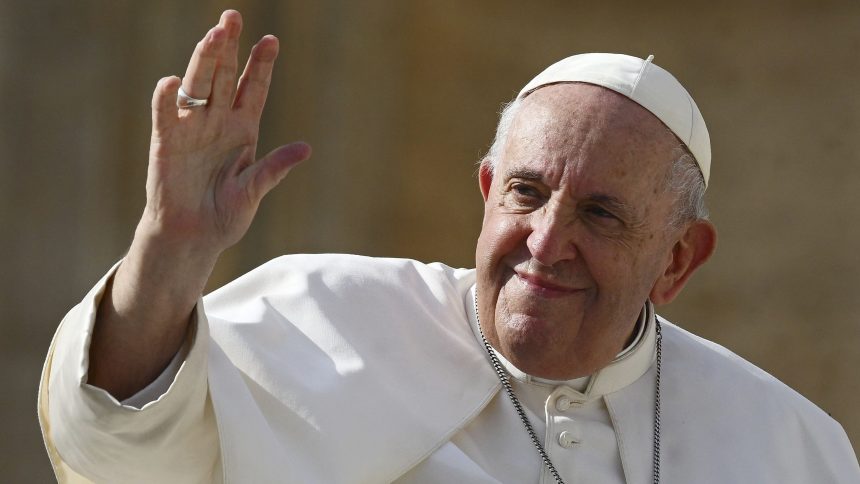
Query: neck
628	365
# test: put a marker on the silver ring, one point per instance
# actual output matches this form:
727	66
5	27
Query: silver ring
184	101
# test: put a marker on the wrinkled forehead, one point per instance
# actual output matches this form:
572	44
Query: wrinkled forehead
576	116
586	138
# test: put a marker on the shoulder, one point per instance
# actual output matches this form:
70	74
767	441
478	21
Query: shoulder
718	393
332	346
358	284
722	370
338	272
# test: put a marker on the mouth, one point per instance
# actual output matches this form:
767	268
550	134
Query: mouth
543	287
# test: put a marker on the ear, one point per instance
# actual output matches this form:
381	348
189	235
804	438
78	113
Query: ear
693	249
485	178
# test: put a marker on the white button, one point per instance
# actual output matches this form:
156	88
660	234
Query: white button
566	439
562	403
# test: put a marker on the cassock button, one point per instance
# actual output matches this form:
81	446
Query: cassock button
562	403
566	439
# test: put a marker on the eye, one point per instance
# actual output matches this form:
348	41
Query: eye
523	195
600	212
525	190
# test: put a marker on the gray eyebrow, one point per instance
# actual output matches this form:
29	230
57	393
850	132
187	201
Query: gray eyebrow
628	214
524	173
608	200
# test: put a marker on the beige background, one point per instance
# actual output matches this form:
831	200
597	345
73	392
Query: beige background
399	100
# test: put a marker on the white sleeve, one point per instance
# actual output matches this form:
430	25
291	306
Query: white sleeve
91	437
160	385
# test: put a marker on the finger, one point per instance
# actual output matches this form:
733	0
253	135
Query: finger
266	173
197	82
164	110
254	83
224	82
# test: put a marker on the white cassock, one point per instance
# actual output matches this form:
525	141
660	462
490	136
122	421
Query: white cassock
348	369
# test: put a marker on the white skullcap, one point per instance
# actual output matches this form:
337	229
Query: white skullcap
647	84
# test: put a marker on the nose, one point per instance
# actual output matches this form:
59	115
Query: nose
551	237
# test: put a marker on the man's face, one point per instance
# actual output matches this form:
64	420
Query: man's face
576	229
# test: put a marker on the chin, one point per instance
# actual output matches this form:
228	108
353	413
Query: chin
528	335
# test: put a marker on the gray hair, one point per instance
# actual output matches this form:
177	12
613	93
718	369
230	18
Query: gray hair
685	180
684	177
506	118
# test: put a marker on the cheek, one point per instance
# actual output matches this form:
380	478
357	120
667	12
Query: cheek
624	272
613	266
500	236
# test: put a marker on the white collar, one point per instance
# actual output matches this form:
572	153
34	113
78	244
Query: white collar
630	364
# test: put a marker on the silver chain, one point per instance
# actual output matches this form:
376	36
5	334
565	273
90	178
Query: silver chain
509	389
659	351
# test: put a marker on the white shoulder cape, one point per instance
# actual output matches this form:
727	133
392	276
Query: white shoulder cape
347	369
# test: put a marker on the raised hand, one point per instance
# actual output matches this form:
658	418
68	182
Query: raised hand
203	184
203	188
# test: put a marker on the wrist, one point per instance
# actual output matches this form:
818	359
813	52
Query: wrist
180	243
170	271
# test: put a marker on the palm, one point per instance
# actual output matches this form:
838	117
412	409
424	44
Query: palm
204	185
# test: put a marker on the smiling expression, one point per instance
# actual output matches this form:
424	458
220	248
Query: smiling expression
576	229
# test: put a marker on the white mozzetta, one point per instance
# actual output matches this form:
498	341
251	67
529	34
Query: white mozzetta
346	369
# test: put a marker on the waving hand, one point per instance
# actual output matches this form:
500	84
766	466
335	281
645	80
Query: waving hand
204	184
203	187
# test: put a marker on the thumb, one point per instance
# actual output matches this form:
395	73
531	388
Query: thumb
267	172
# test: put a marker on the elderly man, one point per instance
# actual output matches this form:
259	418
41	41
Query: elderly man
544	364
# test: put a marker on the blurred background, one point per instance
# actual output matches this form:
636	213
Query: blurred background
399	100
